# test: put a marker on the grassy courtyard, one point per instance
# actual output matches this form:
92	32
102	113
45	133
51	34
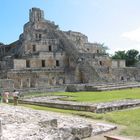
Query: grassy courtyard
129	118
102	96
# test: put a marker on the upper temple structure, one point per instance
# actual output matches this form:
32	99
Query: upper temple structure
45	56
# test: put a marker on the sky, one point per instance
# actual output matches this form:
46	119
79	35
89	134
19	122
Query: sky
116	23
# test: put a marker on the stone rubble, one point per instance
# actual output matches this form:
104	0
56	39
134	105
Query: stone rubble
20	123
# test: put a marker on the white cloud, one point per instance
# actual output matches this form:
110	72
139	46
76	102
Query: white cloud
133	35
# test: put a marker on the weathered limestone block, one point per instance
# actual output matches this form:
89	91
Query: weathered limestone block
82	131
76	132
71	88
48	123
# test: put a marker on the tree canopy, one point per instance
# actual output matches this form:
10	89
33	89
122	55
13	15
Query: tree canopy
131	56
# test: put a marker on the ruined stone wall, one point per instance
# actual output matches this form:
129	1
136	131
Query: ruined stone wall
35	79
77	37
92	48
126	74
49	45
82	44
118	64
44	60
19	63
36	15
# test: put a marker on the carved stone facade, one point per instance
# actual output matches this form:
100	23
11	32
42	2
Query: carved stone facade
46	56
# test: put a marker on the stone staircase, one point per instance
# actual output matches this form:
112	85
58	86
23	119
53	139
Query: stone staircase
74	57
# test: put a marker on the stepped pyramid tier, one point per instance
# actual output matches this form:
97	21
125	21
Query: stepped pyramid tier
45	56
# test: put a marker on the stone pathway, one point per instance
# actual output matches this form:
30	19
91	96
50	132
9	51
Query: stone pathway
19	123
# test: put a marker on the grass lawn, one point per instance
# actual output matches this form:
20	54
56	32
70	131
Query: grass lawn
104	96
128	118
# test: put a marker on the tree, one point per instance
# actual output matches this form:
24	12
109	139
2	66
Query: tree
1	44
104	48
119	55
131	57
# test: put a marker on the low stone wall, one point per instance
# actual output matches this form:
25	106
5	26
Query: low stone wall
61	105
117	105
54	102
48	89
101	86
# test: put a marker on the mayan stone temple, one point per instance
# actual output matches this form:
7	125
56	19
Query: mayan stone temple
44	56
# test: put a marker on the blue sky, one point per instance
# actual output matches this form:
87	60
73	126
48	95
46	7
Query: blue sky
113	22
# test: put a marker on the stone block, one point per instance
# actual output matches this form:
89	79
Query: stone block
48	123
82	131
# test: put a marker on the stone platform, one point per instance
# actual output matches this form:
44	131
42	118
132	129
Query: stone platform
53	101
102	86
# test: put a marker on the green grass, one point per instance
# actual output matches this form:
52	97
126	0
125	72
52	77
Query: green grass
36	94
128	118
104	96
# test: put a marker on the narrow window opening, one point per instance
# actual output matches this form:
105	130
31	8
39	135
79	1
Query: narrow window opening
97	51
122	78
50	48
36	36
57	63
34	48
43	63
40	36
28	63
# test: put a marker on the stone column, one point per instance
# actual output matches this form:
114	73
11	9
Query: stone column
29	82
21	83
0	129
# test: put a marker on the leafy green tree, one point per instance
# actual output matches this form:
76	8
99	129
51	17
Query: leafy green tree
131	57
119	55
1	43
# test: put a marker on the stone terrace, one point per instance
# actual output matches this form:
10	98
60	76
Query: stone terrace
53	101
102	86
